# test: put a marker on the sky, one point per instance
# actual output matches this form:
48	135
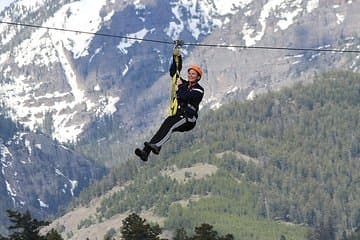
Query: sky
4	3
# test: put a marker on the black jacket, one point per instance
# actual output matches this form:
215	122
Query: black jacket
188	98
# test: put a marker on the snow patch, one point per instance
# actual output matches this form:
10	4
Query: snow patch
73	183
203	15
97	88
124	72
4	4
58	172
127	43
28	146
234	89
108	105
340	18
288	18
251	36
38	50
138	4
30	4
4	57
83	16
311	5
176	27
215	106
77	92
4	151
10	191
230	7
251	96
42	204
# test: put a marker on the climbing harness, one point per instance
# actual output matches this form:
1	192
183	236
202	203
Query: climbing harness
173	100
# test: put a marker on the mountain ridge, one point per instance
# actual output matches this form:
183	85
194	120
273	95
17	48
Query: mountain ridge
38	174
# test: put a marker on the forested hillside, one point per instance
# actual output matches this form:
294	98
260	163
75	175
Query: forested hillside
283	163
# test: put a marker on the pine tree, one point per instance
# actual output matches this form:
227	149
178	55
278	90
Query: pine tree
352	236
323	232
25	227
134	228
282	237
28	228
227	237
181	234
205	232
53	235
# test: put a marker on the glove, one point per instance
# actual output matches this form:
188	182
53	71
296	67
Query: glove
176	52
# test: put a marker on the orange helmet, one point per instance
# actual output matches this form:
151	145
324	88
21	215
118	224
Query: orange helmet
197	69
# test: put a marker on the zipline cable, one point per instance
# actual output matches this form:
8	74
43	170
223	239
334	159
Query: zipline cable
187	44
85	32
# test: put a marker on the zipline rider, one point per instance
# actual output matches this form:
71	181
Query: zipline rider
184	107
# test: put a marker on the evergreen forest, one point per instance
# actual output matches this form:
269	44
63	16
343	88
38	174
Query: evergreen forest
287	167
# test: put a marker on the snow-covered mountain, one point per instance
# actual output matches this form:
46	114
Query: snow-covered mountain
74	77
38	174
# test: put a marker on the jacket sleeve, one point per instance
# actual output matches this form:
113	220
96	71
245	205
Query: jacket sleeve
173	66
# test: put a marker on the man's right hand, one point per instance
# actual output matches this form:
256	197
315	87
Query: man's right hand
178	81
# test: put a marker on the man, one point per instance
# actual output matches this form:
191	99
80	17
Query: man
189	95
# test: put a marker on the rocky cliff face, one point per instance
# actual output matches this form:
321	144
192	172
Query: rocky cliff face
75	77
38	174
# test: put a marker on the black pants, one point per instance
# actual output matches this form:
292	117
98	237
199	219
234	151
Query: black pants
177	123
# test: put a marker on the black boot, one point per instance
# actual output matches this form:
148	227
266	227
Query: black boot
155	149
143	154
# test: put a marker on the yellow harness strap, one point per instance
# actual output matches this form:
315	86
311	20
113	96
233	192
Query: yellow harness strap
173	100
